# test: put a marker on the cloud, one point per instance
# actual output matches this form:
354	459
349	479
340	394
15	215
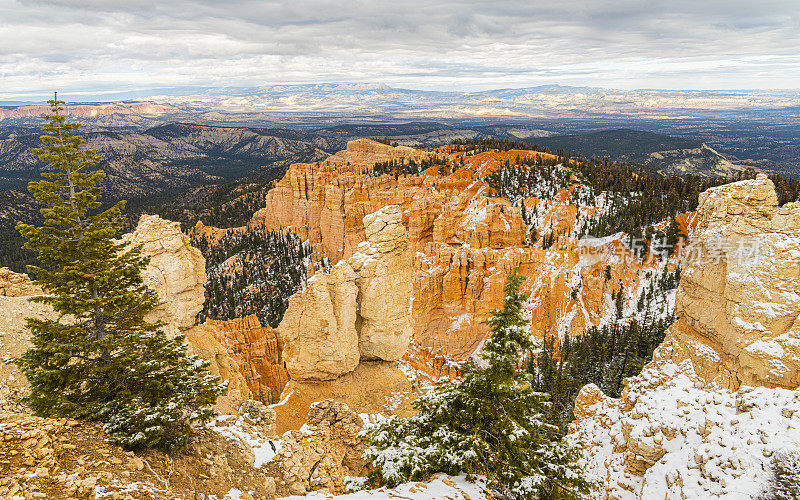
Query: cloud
96	45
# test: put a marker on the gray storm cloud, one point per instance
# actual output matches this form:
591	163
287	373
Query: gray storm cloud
111	45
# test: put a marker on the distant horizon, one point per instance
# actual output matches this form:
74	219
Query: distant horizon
153	94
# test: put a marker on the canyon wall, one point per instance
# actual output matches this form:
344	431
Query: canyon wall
721	394
464	242
743	294
257	351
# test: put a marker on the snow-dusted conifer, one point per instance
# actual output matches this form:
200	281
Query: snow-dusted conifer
488	421
99	359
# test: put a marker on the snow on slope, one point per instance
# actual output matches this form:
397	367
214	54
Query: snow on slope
690	442
441	487
235	429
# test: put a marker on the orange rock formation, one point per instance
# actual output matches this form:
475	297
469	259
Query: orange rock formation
257	351
464	241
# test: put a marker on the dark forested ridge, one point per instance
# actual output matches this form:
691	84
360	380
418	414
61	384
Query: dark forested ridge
168	157
180	171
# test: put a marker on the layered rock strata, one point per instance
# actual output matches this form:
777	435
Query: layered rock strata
257	351
721	394
741	288
203	342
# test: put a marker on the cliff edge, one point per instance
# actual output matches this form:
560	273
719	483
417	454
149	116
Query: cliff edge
720	397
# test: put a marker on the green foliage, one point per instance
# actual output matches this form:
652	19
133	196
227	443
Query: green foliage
638	198
219	205
99	359
537	176
13	253
253	272
788	189
601	356
487	421
605	355
401	167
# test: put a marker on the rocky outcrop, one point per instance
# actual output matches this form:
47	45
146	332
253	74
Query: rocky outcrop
668	438
325	202
741	288
369	151
319	327
176	272
257	351
16	284
259	415
203	342
61	458
212	234
327	450
383	267
721	394
240	351
357	310
343	331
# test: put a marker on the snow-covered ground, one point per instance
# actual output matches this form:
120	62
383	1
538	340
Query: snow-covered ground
233	428
441	487
705	443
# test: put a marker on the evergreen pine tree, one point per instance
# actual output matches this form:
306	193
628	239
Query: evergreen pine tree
99	359
487	421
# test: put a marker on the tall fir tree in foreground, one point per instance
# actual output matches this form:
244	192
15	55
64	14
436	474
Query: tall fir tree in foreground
487	421
99	359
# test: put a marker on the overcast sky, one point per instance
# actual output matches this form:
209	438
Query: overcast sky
97	46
